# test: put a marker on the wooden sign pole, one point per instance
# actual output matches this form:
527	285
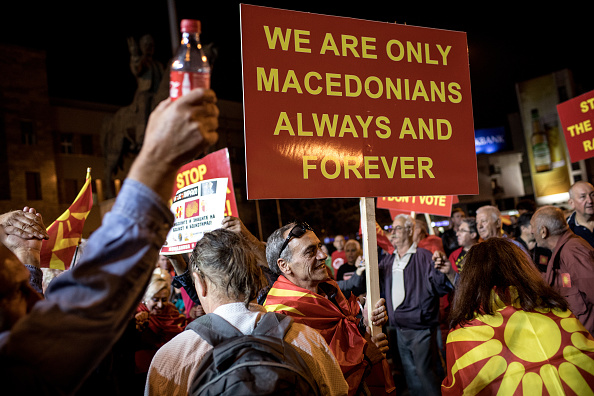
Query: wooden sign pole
367	206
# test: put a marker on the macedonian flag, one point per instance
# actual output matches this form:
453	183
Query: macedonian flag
515	352
66	231
337	324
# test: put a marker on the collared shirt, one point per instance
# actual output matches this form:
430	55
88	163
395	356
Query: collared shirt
176	363
580	230
399	265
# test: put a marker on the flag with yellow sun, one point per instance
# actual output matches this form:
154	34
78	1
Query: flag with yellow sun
65	232
515	352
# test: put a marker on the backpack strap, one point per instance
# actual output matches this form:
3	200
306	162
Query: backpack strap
273	324
213	329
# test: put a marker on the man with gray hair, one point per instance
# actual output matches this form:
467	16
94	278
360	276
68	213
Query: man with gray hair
305	292
570	270
412	284
581	221
489	225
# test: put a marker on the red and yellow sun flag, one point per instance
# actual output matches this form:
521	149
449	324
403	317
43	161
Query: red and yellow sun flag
337	325
516	352
65	232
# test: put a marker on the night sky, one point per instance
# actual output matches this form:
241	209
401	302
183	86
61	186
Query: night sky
87	53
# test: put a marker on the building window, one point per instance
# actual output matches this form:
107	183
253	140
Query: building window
33	184
28	135
66	146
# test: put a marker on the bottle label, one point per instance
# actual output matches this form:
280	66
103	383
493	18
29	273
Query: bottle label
180	83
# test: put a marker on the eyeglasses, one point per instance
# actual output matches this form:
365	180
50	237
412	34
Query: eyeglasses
398	228
297	231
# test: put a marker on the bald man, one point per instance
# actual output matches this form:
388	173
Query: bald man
581	221
570	270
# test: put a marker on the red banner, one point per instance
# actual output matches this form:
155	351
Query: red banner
577	119
439	205
340	107
214	165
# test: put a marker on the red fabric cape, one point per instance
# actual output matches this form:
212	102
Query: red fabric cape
338	325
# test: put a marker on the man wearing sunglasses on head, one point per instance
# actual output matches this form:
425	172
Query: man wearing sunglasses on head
305	292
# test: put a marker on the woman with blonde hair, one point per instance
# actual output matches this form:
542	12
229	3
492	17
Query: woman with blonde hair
157	322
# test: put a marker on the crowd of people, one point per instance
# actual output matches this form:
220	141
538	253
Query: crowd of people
484	307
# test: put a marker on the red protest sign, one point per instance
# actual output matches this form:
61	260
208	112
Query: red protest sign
213	166
439	205
576	116
340	107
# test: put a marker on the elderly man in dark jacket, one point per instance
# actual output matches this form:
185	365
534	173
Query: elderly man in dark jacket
412	284
570	271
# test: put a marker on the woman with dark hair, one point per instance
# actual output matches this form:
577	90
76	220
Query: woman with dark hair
511	332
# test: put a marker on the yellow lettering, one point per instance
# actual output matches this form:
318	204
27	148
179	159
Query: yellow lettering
284	40
390	170
407	129
320	126
348	78
369	167
300	131
366	46
444	53
380	87
448	126
350	165
299	40
456	95
307	166
329	44
308	88
331	84
347	126
283	124
381	122
269	81
291	82
336	164
400	49
404	166
349	43
425	164
364	124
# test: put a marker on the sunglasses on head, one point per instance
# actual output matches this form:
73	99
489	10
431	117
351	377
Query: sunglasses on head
297	231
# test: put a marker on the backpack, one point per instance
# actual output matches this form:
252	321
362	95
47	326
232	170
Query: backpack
258	364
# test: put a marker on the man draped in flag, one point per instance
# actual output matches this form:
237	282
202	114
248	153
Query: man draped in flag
305	292
511	332
66	231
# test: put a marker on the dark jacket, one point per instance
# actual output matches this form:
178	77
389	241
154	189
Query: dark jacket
424	285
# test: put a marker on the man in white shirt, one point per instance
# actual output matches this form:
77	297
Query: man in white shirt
412	284
227	280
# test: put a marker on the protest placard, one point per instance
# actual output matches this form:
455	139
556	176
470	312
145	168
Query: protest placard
577	119
198	208
439	205
340	107
202	196
212	166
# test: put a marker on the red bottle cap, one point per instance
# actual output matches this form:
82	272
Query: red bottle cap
190	26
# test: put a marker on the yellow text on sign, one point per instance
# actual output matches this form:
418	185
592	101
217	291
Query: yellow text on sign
190	176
